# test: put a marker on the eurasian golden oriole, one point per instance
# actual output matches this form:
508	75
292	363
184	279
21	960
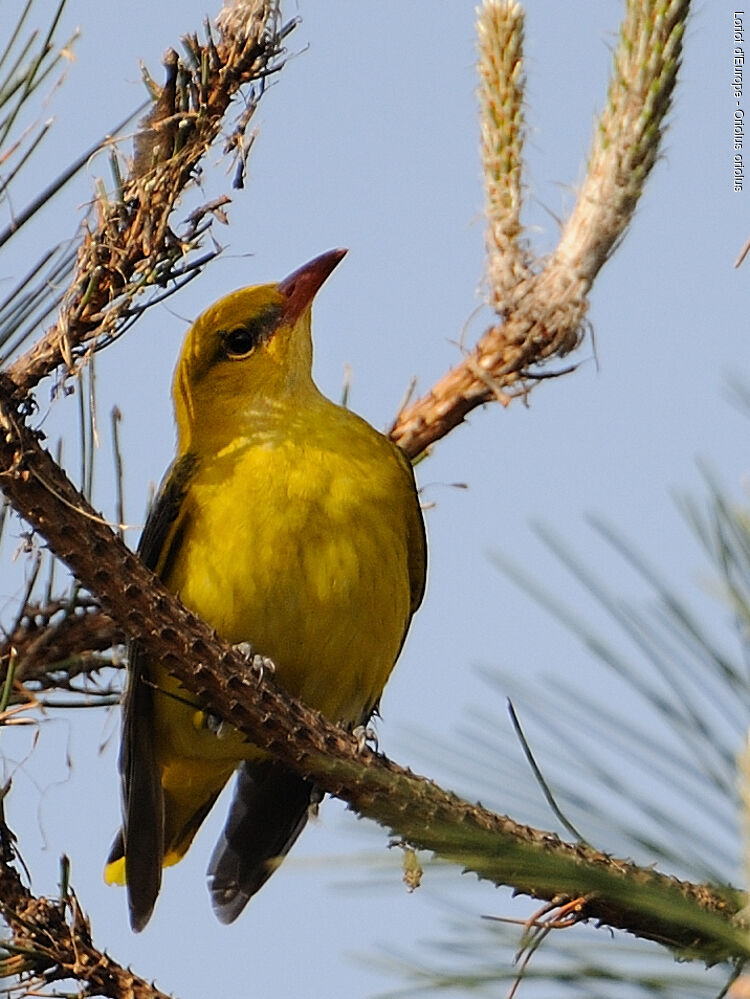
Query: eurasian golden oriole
285	521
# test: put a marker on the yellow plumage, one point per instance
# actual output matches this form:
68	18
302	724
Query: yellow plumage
286	521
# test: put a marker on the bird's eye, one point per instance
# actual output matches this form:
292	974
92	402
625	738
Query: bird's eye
240	342
237	343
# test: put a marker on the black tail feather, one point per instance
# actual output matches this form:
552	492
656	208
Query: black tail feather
268	813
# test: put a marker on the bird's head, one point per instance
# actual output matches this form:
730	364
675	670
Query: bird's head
248	353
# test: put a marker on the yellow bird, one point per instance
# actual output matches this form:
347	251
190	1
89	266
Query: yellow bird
285	521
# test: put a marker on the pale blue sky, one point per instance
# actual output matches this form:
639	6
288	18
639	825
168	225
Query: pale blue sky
368	139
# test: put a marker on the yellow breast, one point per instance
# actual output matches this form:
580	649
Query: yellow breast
299	542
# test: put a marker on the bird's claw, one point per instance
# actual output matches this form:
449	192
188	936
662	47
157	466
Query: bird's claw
365	734
256	662
215	725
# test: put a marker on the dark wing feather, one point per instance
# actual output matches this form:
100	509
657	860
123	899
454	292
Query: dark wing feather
143	804
269	811
417	545
142	837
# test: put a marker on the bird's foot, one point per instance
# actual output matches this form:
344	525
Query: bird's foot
215	724
256	662
259	664
365	735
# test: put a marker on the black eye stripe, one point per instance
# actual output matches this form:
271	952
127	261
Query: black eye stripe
239	341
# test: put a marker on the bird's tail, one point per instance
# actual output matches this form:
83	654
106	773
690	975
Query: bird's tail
269	811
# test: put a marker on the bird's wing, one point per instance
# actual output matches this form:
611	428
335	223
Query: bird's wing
417	546
142	839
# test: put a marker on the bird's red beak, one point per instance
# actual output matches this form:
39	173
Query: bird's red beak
301	287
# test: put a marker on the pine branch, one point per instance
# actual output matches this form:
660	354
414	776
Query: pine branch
130	245
696	920
543	311
50	940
